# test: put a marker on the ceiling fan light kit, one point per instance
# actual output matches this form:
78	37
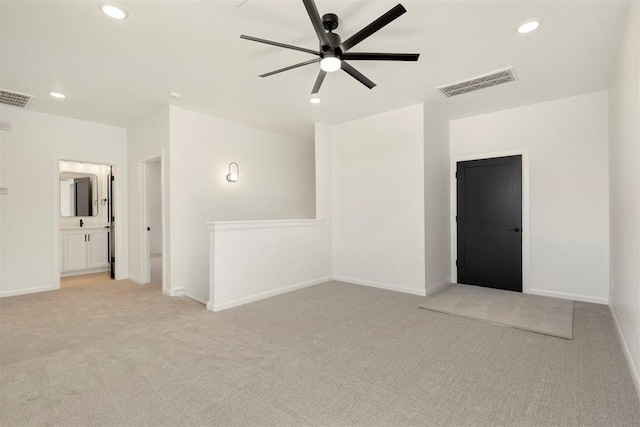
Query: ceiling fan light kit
333	52
330	63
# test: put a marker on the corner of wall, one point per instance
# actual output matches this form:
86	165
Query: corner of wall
633	369
436	196
324	186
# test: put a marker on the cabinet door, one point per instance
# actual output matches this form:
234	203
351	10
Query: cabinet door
97	249
75	252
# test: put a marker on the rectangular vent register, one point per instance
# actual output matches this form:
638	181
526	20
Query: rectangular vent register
494	78
15	99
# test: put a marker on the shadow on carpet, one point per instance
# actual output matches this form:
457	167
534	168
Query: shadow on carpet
543	315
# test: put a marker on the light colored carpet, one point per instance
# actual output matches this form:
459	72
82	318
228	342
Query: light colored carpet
544	315
333	354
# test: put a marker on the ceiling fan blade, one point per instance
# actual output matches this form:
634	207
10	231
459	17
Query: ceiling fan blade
290	67
319	80
357	75
312	10
286	46
385	19
371	56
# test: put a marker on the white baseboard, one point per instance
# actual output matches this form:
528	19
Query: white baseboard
135	279
178	292
27	291
627	353
420	292
438	286
211	306
564	295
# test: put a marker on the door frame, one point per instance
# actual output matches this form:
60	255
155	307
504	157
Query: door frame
121	249
524	152
145	251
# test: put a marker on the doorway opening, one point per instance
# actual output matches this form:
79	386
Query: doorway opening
152	222
85	223
490	220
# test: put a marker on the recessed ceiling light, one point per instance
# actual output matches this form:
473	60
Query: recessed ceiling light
113	11
58	95
528	26
315	99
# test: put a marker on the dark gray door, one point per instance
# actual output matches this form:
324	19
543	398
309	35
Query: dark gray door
489	222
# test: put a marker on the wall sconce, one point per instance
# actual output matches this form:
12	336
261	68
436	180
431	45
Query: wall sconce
233	176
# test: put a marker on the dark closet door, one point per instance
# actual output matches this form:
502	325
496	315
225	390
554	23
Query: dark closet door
489	222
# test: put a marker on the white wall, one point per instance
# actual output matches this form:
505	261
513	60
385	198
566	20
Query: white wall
276	182
30	217
2	202
436	197
624	167
148	139
569	216
378	200
251	260
154	209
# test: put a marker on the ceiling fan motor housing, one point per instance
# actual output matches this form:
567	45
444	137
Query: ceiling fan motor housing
330	21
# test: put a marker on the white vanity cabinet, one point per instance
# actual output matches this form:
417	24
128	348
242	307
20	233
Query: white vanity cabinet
97	255
74	250
84	249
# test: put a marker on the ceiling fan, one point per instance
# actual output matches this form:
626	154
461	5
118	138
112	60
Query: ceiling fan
333	52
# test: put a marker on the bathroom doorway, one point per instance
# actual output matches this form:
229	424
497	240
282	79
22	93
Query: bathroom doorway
85	223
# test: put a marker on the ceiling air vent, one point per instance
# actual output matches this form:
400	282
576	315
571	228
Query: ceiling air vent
15	99
493	78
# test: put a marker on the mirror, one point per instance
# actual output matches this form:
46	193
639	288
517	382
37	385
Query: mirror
78	194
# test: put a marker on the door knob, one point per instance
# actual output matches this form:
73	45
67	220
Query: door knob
516	229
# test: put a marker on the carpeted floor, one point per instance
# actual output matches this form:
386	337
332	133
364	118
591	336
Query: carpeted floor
332	354
544	315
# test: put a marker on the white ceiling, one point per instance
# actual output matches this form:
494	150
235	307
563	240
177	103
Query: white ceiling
116	72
